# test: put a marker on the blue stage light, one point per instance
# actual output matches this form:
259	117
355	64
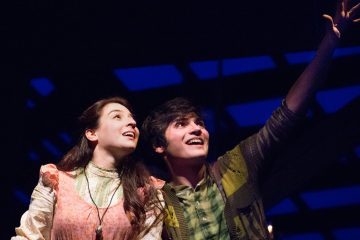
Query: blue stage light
236	66
205	70
51	148
22	197
253	113
30	104
142	78
333	100
336	197
33	156
209	119
307	56
347	233
357	151
303	236
65	137
349	51
43	86
287	206
299	57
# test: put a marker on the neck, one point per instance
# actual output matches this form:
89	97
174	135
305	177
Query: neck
104	159
189	175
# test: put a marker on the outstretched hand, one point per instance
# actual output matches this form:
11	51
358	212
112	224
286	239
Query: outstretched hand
343	17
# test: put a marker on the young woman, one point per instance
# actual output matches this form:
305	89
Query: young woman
98	190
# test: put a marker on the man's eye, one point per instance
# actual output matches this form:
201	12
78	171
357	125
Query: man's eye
117	116
200	123
179	124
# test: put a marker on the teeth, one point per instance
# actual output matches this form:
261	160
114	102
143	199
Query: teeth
195	141
129	134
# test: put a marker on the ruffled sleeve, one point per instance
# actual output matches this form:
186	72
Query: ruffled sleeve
156	230
50	176
36	222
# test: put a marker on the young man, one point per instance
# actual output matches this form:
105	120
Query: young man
222	200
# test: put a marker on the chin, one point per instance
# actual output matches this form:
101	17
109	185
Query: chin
131	148
128	149
199	156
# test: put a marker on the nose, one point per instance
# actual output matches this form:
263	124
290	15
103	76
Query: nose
131	122
195	129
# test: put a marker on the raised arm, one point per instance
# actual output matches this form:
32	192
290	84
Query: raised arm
304	88
281	124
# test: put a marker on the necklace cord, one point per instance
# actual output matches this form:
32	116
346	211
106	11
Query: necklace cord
97	209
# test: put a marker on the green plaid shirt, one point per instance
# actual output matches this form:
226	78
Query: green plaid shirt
203	210
202	214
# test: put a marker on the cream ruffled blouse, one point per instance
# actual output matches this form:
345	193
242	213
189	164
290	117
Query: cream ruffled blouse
36	223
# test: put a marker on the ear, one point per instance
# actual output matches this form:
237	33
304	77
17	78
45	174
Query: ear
159	150
91	135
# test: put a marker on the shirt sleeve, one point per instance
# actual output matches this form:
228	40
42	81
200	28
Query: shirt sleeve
36	222
275	132
250	153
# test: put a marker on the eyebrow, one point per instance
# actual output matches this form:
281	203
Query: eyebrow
121	111
180	119
187	118
116	110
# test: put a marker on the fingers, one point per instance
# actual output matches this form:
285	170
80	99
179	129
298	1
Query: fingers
328	18
354	10
342	12
343	16
332	25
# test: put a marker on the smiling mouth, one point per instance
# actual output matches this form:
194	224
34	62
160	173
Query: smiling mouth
195	141
129	134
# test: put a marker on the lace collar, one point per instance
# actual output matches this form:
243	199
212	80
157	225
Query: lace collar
92	169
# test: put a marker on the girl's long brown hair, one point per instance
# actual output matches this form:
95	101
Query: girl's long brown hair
133	174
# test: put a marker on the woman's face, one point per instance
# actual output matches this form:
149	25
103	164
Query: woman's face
117	132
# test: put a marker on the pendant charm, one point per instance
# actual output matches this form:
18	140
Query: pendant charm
98	229
98	232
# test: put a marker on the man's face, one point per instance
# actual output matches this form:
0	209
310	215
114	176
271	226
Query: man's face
187	141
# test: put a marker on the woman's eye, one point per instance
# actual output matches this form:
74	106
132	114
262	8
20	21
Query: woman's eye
117	116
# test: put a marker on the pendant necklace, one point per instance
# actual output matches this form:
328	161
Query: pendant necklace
98	230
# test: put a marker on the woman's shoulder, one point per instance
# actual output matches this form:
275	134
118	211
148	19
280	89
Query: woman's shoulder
49	175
